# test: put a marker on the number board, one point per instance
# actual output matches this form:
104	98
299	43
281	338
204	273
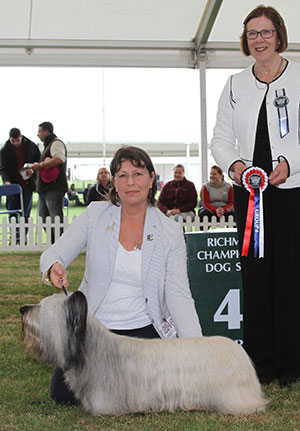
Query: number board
215	281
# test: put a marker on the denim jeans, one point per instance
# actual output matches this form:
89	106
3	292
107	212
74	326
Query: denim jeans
51	204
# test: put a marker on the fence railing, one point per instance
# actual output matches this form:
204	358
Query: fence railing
36	234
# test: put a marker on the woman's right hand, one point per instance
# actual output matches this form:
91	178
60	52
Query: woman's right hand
58	274
238	168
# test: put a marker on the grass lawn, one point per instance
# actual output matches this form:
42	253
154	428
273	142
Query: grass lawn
25	404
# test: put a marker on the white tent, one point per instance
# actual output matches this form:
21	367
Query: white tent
135	33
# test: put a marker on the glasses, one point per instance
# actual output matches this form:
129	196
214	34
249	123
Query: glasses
136	176
265	34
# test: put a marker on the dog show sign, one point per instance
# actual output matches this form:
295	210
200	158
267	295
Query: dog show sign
215	281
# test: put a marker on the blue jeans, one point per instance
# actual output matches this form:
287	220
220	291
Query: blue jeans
13	202
51	204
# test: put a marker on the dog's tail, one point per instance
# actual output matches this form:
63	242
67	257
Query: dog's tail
243	394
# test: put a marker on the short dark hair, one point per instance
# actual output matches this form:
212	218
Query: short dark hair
15	133
179	165
278	22
46	125
139	158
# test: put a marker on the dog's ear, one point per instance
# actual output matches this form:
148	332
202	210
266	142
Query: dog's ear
76	313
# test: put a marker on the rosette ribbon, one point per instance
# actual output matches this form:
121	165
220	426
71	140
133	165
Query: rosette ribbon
255	180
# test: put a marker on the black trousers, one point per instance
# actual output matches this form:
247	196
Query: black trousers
271	285
59	390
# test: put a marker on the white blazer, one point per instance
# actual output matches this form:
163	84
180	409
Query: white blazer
239	106
164	271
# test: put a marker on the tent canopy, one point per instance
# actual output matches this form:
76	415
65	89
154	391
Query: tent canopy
196	34
135	33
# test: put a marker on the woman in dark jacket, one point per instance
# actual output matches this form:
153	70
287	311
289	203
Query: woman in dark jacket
99	191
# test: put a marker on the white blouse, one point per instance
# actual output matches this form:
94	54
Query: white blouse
124	305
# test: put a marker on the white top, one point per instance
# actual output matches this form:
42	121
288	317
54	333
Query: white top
239	105
164	270
58	150
124	305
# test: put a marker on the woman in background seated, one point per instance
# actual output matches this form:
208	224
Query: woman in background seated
178	196
100	190
73	196
216	195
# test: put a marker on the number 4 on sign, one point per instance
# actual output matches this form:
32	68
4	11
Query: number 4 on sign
233	316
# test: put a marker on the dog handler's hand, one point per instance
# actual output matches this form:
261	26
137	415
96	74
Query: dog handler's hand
56	273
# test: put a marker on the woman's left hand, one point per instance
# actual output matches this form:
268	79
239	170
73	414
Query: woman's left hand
220	211
173	212
280	174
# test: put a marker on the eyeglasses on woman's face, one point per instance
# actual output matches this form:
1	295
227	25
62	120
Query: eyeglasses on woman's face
265	34
137	175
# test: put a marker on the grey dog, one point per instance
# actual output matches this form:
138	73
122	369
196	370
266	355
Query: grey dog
113	374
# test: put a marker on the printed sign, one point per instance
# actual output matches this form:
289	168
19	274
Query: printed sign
215	281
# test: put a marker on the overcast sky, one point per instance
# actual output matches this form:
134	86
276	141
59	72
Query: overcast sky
139	104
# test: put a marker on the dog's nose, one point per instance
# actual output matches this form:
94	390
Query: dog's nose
23	309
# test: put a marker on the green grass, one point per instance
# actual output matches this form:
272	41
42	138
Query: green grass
25	404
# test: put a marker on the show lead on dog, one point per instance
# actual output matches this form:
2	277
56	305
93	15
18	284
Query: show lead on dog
258	124
135	278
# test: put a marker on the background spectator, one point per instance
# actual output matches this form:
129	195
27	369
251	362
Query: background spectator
179	196
17	151
86	192
73	196
52	181
100	190
216	195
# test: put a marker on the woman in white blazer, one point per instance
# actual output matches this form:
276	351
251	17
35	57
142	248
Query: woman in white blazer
258	125
135	278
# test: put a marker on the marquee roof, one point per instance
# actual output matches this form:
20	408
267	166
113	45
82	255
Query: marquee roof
135	33
141	33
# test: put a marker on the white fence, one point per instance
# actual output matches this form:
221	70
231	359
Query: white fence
38	236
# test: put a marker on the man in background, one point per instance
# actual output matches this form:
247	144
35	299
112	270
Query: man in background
52	181
17	151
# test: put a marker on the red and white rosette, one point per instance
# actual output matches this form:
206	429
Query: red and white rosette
255	180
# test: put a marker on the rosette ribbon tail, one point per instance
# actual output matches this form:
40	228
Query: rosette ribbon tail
261	227
249	223
255	181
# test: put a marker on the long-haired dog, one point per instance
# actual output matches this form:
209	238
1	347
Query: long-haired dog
113	374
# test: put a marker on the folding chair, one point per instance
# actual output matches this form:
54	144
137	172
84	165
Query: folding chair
12	189
66	205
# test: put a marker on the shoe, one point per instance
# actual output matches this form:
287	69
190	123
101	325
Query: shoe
286	382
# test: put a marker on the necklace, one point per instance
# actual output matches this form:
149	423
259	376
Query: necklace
277	73
137	246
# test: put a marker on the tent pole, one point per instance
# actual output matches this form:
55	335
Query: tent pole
203	120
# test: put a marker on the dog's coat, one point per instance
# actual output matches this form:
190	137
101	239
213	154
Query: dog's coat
113	374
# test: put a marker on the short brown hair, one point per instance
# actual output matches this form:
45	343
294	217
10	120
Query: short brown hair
139	158
179	166
278	22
